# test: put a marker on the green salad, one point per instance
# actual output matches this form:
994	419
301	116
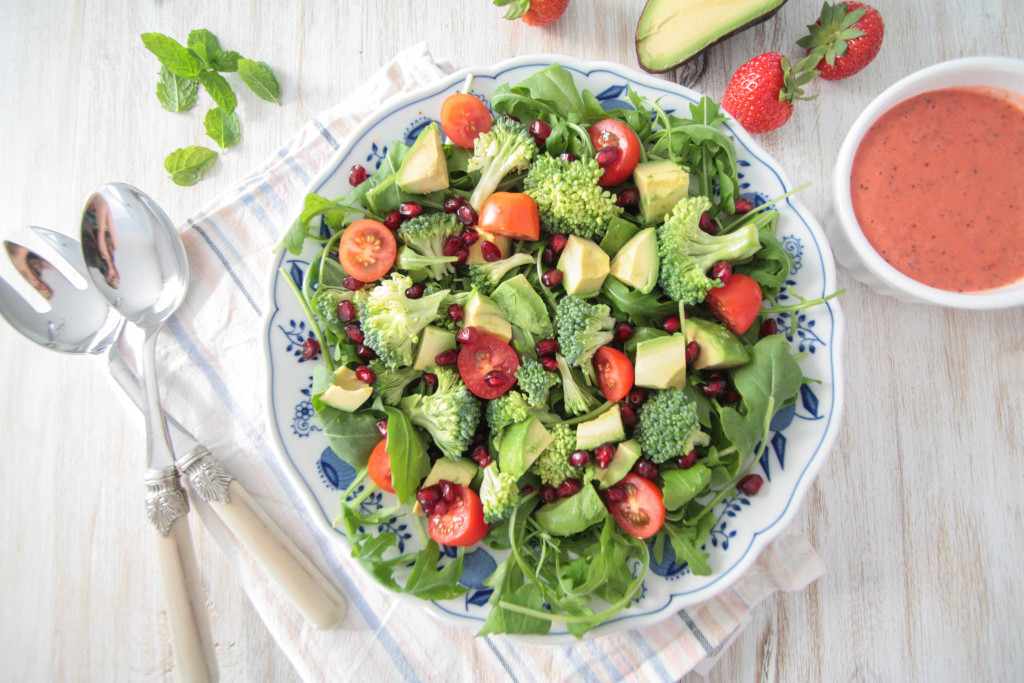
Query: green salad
546	327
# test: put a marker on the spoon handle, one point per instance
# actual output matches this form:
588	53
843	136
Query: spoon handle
191	642
311	593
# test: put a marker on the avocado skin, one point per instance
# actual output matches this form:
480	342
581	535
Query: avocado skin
684	56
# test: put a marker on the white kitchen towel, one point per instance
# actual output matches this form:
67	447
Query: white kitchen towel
213	382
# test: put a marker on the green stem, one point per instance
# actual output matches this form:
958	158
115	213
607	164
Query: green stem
589	416
314	325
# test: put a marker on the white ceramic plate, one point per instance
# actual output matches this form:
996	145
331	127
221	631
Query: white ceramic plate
801	436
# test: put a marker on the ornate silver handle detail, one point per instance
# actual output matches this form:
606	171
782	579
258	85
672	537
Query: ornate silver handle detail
207	475
165	498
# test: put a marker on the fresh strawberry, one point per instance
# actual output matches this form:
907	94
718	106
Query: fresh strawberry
761	93
534	12
846	37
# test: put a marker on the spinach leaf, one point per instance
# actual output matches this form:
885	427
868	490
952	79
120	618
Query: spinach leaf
408	455
351	436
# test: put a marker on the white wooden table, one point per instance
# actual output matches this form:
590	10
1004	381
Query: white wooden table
917	514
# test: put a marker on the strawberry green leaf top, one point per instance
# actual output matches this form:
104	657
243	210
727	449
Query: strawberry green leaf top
846	37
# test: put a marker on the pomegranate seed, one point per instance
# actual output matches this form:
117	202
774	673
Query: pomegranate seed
549	363
551	277
461	256
540	130
451	245
466	214
628	197
579	458
310	348
467	335
346	311
751	484
449	493
548	257
410	209
430	379
671	324
567	156
615	495
706	224
440	508
645	468
365	374
382	427
546	347
722	270
730	395
526	490
452	204
569	487
512	118
480	455
687	461
365	353
434	453
446	358
607	156
469	237
629	416
490	252
548	493
768	328
692	352
455	313
355	334
604	454
357	175
558	242
636	396
624	332
744	205
393	220
496	378
428	497
714	388
352	284
416	291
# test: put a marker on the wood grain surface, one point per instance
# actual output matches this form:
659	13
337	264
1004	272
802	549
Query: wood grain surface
917	513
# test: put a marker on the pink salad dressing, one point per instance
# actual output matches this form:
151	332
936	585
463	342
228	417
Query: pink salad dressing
938	188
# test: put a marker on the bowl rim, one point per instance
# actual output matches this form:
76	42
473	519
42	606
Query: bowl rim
909	86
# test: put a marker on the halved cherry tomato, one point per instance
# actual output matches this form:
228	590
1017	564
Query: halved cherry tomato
367	250
463	522
614	373
612	133
642	512
737	302
488	366
379	466
512	214
463	117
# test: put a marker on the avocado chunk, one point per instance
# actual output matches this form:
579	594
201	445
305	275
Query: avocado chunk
347	392
619	232
584	265
719	347
672	32
433	340
661	183
485	315
455	471
637	263
682	486
425	167
521	444
626	455
503	244
605	427
522	306
571	515
661	362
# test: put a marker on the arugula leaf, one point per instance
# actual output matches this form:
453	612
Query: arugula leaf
641	309
172	54
408	454
222	127
175	92
430	583
554	85
260	79
218	88
204	44
188	164
681	486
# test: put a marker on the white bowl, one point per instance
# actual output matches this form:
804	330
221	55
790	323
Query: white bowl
850	246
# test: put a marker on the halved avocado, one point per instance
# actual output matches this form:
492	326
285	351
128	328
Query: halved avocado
672	32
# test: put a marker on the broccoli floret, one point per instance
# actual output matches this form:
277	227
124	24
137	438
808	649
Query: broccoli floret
425	235
410	261
487	276
451	414
575	398
508	409
535	382
669	426
499	493
392	322
552	465
582	328
568	197
327	300
507	147
391	384
686	252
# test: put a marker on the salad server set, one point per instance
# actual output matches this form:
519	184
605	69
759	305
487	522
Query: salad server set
136	271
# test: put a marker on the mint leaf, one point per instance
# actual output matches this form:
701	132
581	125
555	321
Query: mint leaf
222	127
260	79
225	60
204	44
174	92
187	165
217	87
172	54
